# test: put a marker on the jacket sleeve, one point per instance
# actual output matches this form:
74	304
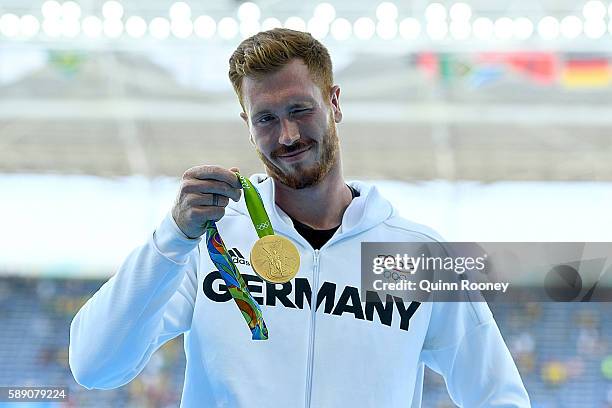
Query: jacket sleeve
465	346
149	301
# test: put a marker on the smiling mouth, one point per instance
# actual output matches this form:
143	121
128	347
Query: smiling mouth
284	156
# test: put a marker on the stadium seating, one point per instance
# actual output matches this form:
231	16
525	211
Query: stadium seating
558	347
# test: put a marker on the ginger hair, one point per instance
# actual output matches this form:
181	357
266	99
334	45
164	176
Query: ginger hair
268	51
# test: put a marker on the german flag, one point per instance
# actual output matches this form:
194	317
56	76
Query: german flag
585	72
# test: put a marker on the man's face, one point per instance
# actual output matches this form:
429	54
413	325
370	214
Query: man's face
292	125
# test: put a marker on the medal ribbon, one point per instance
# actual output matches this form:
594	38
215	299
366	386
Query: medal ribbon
254	204
227	269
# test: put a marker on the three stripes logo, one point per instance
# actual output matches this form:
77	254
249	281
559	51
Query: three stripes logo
237	257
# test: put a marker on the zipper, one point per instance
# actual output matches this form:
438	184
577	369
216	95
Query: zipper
313	314
311	333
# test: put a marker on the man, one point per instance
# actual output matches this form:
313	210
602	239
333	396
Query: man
326	347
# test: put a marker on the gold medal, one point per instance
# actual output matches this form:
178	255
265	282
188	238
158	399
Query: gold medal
275	259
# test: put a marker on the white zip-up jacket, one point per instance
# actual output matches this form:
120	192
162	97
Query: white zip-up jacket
344	353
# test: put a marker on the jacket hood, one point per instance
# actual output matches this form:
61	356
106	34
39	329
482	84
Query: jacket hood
363	213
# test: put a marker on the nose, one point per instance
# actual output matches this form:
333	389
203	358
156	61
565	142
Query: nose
289	132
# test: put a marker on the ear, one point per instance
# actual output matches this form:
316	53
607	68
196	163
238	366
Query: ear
335	103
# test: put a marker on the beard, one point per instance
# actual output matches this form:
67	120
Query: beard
298	175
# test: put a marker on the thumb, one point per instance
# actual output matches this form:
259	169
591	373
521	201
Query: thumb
236	170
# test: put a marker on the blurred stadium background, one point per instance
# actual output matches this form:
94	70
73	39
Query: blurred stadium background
488	120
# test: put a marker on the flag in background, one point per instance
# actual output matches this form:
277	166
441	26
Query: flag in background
586	72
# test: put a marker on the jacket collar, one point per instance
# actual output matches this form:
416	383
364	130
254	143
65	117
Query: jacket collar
363	213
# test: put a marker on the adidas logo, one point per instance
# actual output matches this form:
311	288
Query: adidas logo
237	257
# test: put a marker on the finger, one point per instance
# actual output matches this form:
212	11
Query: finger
208	200
236	170
239	195
211	187
208	172
208	213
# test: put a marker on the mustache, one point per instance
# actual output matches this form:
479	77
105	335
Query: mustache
297	146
